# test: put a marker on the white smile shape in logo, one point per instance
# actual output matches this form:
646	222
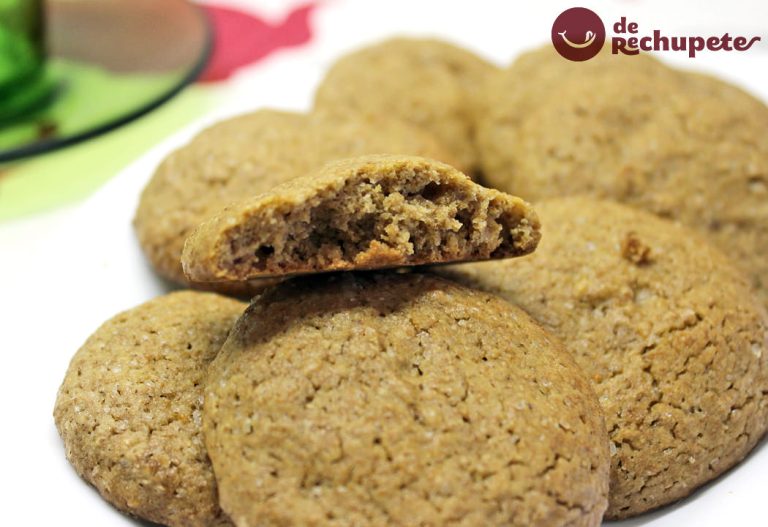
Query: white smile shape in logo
590	38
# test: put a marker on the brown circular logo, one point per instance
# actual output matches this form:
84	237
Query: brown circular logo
578	34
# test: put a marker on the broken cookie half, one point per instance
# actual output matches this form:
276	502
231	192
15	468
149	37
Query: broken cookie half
361	213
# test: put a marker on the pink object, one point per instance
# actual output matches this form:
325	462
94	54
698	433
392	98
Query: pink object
241	39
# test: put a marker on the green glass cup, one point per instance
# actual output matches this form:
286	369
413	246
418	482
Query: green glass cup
24	83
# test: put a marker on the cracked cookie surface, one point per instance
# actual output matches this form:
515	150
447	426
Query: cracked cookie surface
666	328
130	408
247	155
429	83
683	145
386	399
367	212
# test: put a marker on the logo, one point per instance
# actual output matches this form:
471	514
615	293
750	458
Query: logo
578	34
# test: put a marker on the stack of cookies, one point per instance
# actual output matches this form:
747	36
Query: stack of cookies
420	349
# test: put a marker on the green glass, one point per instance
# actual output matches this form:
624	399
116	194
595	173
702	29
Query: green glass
24	83
73	69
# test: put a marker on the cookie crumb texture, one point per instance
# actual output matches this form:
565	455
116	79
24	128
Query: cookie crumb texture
130	408
250	154
361	213
404	399
668	330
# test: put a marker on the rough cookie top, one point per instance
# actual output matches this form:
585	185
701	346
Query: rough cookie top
361	213
130	407
400	399
682	145
429	83
250	154
667	330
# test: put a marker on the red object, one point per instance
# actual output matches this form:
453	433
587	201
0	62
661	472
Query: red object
241	39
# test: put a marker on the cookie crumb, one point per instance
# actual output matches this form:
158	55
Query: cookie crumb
634	250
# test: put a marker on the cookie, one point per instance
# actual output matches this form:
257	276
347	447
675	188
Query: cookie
400	399
666	328
365	212
685	146
130	407
245	156
429	83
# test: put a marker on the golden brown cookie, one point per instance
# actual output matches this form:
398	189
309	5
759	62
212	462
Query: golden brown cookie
400	399
682	145
248	155
366	212
429	83
130	407
668	331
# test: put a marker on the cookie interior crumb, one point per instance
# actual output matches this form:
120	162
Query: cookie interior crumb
377	211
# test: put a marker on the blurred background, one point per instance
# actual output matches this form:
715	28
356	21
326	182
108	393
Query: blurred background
88	85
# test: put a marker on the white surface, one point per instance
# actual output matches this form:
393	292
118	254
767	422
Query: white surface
63	273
